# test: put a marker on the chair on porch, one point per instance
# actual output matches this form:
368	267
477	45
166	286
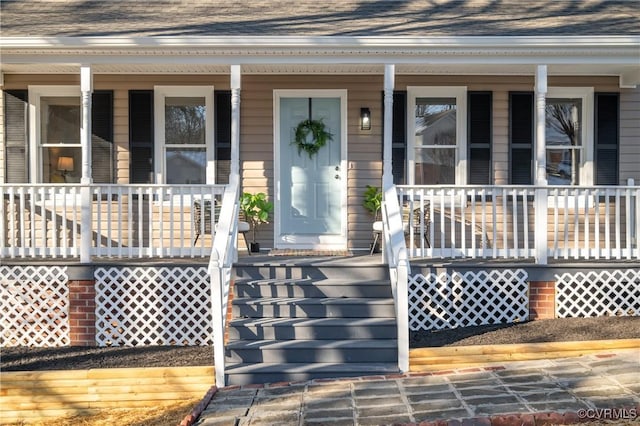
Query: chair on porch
205	228
415	223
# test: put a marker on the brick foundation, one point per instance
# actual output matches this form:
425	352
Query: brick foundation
82	312
542	300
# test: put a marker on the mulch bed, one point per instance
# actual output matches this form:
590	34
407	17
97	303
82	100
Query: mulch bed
556	330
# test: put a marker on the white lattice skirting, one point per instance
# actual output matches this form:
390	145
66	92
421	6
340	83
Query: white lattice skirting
153	306
598	294
34	302
466	299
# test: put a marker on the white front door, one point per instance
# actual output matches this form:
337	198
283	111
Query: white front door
310	211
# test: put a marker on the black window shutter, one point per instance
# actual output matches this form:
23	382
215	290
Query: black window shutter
399	137
102	136
607	137
521	126
479	134
141	136
16	154
223	135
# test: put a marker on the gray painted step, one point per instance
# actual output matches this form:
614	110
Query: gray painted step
346	307
316	272
312	288
312	351
242	374
312	328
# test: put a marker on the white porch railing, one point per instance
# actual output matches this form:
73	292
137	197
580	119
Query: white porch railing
124	221
223	254
509	222
399	270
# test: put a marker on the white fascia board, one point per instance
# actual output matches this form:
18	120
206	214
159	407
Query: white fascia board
619	50
318	42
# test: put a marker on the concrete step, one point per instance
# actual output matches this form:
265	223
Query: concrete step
292	307
243	374
312	351
309	287
312	328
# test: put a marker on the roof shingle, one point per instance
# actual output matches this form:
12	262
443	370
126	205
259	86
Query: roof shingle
408	18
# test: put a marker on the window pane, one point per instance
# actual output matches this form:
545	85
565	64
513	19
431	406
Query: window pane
563	122
563	166
61	165
435	166
186	166
60	120
435	121
184	121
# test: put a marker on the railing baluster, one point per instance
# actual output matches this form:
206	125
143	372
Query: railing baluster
473	224
596	225
607	222
617	225
629	220
516	245
483	203
586	245
525	222
150	221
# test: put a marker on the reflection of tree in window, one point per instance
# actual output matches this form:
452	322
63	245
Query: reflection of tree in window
435	128
563	130
184	123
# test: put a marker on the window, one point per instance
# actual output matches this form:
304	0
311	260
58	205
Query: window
437	150
55	129
184	134
54	134
568	118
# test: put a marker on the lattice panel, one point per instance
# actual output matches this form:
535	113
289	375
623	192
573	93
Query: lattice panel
445	301
601	293
34	302
153	306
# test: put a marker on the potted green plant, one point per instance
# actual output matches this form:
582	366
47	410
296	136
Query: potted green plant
372	202
256	210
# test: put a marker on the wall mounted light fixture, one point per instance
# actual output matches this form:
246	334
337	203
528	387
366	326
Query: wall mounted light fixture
365	119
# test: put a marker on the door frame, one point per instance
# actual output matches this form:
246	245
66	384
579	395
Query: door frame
333	242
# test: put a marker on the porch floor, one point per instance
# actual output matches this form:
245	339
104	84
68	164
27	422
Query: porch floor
358	258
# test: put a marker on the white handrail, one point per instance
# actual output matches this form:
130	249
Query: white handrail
223	254
399	270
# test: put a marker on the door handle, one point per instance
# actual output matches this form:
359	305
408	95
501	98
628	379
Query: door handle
337	176
337	168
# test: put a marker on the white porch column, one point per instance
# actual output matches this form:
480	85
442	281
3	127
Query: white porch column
86	89
235	120
387	167
541	204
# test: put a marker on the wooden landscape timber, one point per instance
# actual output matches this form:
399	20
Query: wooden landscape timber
446	358
36	395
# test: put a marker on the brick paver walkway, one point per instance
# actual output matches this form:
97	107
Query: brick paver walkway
601	386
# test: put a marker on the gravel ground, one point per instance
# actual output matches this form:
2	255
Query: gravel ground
557	330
